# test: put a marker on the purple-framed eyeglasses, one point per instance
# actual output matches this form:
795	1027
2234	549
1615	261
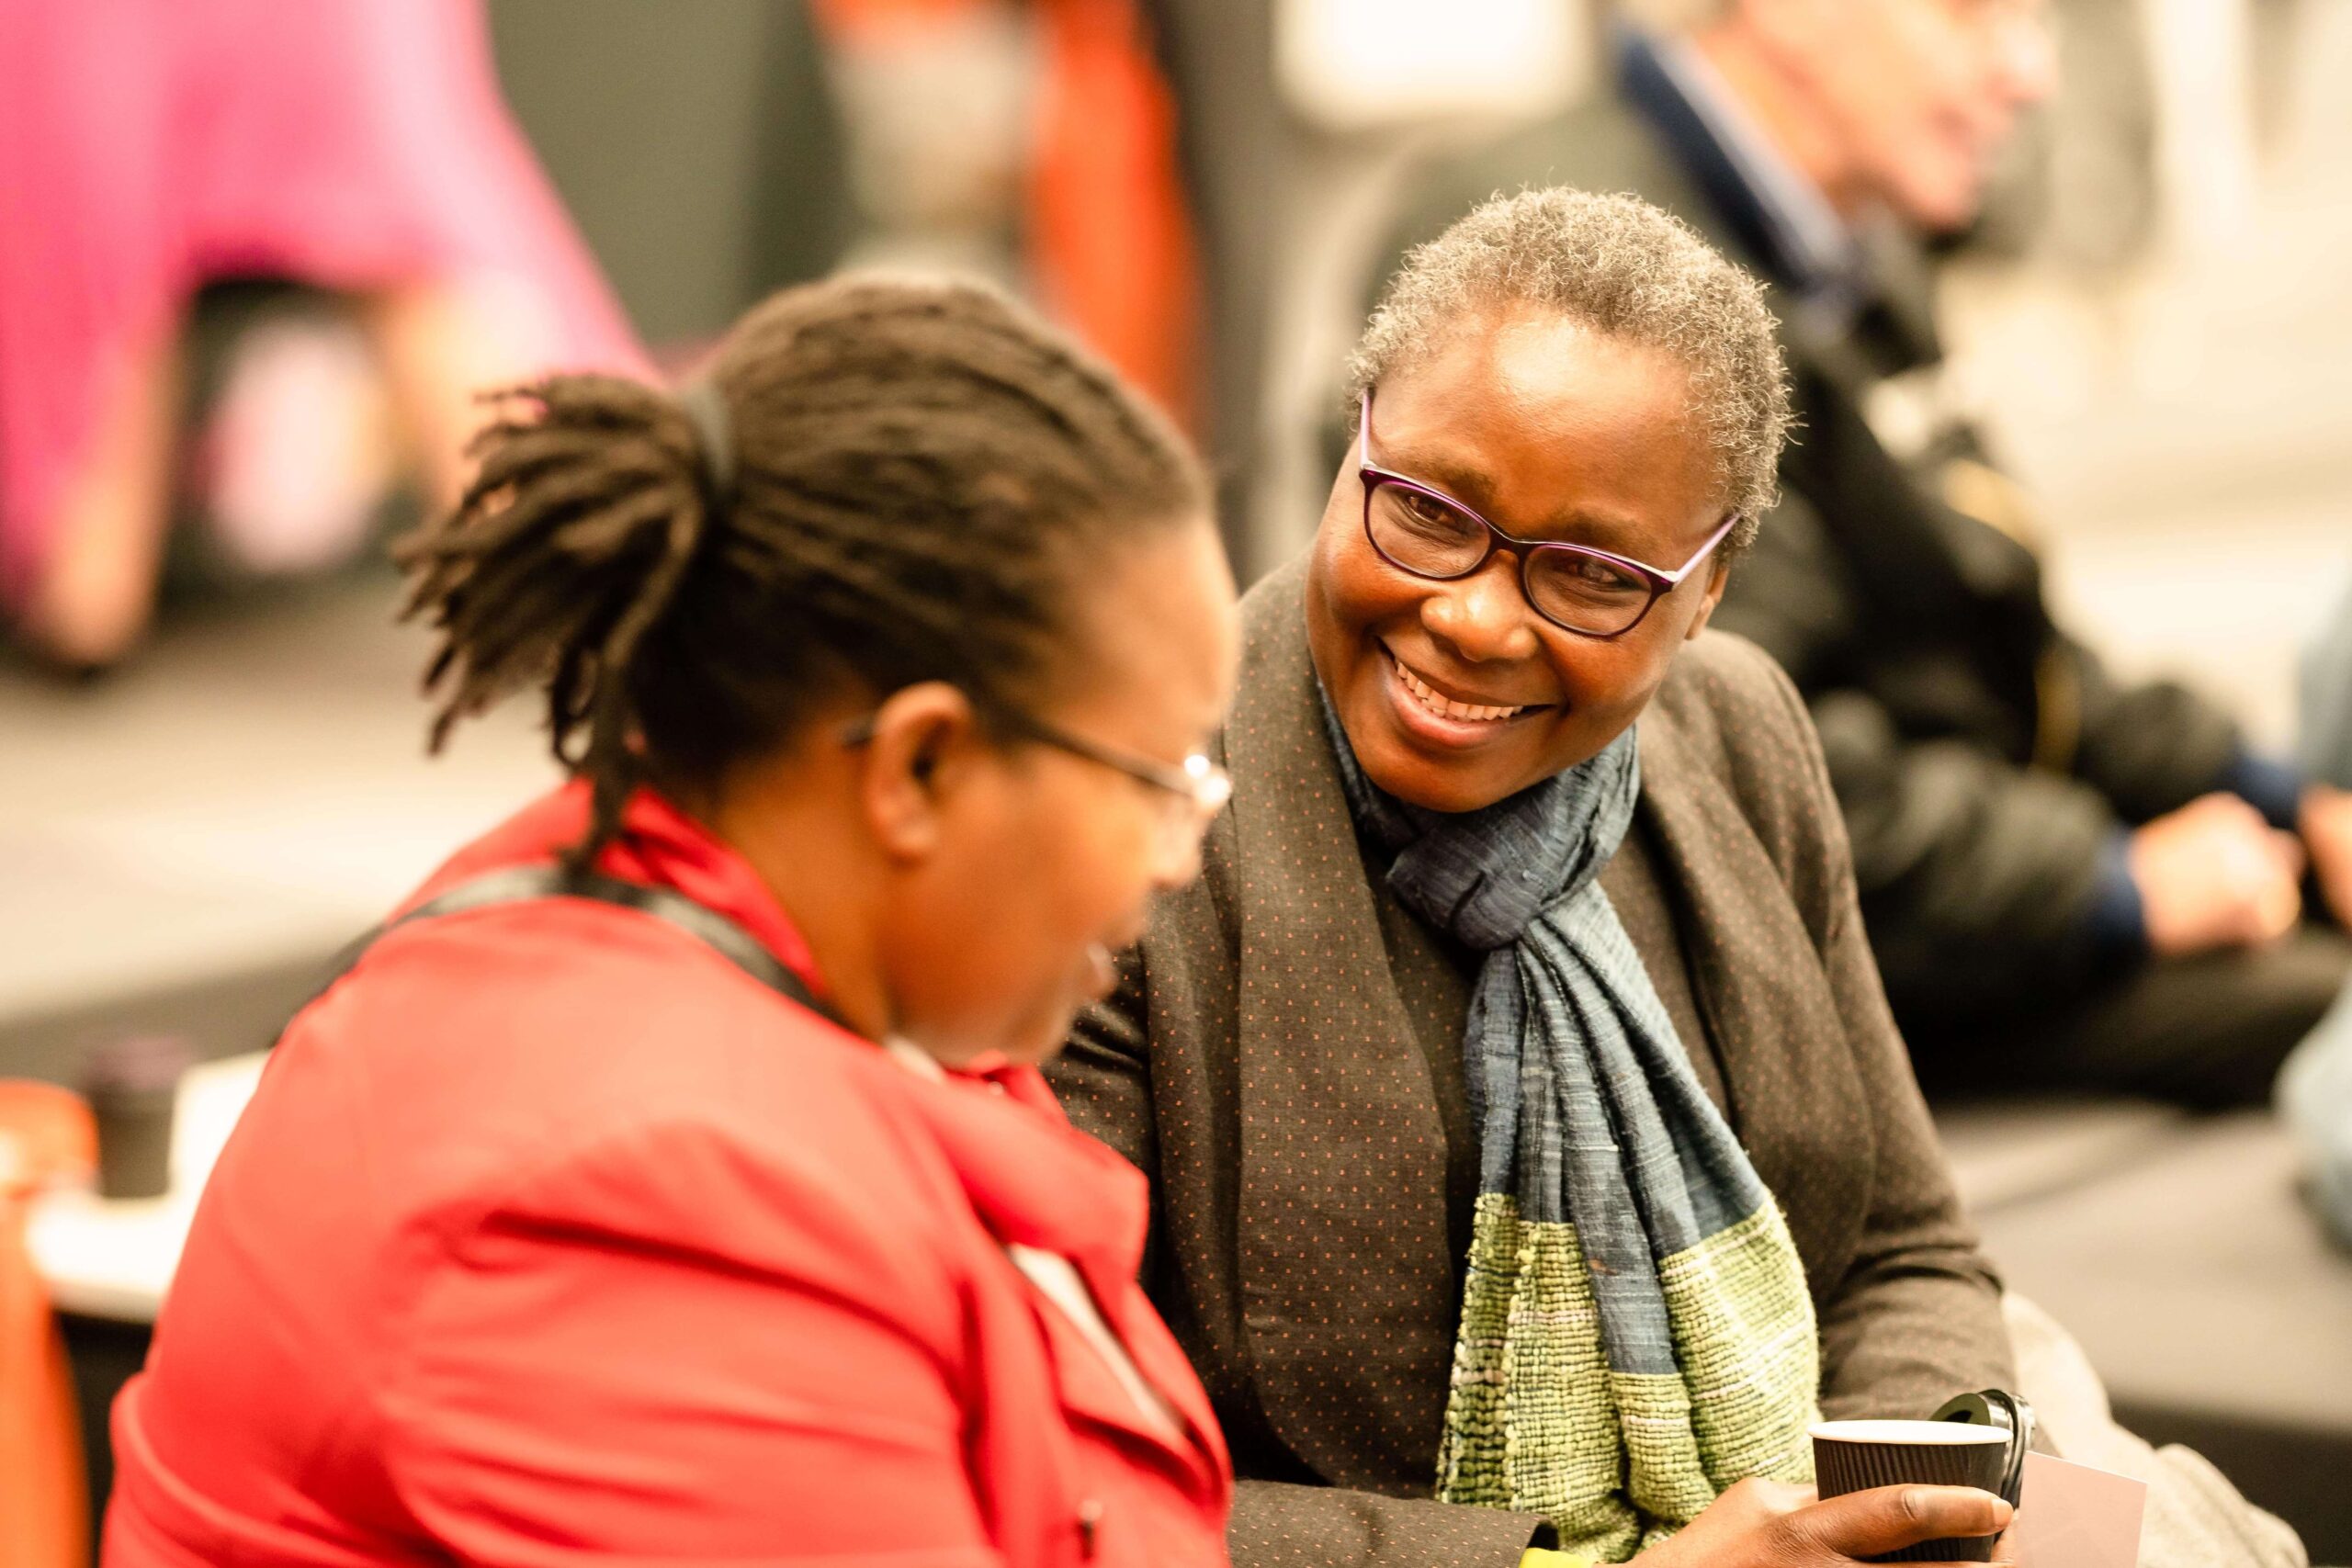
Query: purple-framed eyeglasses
1426	533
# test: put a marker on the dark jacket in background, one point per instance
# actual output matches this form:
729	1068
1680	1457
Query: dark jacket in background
1986	762
1285	1059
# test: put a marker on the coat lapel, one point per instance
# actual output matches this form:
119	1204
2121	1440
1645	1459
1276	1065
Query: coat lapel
1347	1281
1162	1361
1089	1391
1018	1160
1769	1021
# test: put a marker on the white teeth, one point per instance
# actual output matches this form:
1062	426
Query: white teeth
1446	707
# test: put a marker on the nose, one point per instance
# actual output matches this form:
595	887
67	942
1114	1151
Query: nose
1484	617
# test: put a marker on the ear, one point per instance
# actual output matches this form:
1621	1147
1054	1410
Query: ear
921	738
1718	578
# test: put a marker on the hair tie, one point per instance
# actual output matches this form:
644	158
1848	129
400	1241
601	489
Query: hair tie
706	409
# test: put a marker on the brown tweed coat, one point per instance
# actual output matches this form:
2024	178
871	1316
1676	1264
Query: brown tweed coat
1283	1058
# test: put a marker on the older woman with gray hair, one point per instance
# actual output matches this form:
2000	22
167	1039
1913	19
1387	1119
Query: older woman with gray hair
1534	1155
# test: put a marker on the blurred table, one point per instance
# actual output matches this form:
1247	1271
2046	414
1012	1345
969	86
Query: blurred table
114	1257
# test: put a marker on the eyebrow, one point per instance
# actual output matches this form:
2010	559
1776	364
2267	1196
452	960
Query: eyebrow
1467	485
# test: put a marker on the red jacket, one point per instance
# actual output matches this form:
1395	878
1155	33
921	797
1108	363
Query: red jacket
552	1237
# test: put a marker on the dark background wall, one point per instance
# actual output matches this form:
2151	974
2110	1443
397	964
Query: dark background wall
695	144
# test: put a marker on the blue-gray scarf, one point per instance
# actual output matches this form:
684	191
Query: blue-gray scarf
1636	1333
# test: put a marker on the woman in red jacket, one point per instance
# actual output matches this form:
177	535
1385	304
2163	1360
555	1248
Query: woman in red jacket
672	1181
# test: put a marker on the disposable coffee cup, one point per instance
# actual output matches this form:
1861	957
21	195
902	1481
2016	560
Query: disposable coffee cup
1855	1456
134	1089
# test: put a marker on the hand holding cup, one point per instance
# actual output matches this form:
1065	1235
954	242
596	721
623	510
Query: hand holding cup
1860	1457
1771	1524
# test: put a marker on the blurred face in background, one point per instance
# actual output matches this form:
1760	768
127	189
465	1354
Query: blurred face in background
1912	100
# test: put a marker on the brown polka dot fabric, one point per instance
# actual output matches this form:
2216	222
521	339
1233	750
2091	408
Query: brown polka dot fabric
1283	1059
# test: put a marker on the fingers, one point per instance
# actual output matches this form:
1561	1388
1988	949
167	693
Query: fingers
2266	872
2327	834
2279	904
2223	810
2289	848
1887	1518
2214	874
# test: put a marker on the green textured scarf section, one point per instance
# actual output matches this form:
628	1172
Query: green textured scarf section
1539	1422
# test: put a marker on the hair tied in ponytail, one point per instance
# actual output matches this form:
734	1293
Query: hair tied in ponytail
705	410
678	620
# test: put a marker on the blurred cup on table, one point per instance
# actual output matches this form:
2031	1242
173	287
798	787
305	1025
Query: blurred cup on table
134	1088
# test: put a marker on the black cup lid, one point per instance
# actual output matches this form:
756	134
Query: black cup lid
1998	1408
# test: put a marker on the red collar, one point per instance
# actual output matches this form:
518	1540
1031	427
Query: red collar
659	844
988	1117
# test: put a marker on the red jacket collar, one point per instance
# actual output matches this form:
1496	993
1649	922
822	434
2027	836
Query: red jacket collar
1023	1165
1019	1159
658	844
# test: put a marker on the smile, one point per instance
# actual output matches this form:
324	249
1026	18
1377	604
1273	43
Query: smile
1443	706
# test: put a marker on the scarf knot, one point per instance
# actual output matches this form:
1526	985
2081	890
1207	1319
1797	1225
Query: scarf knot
1485	875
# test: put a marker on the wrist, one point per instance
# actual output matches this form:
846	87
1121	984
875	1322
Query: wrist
2270	786
2115	921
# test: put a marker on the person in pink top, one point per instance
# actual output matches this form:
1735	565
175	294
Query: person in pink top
148	146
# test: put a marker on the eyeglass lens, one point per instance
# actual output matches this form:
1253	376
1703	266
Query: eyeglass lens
1425	534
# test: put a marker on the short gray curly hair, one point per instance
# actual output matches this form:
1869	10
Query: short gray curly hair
1627	269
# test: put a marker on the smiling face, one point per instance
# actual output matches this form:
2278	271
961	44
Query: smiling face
1457	694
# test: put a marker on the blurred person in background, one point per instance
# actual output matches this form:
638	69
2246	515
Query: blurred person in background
672	1179
1533	1156
2315	1089
148	147
2069	879
2327	699
1034	141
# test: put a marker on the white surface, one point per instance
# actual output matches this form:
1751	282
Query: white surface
1367	65
2071	1515
1917	1434
116	1258
2196	1281
253	791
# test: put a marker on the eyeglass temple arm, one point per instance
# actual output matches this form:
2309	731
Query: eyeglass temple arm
1675	576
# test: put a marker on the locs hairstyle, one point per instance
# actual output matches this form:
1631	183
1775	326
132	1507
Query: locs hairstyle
919	473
